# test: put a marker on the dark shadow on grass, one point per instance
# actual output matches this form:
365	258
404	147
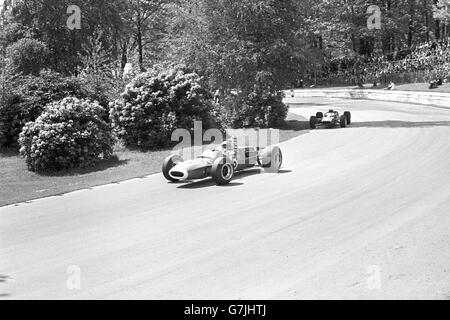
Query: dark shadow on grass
295	125
9	152
399	124
99	167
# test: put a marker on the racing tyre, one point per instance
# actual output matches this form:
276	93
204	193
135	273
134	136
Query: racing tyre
343	121
313	122
168	164
348	115
319	115
222	171
271	159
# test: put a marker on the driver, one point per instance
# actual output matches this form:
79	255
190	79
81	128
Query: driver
226	146
223	148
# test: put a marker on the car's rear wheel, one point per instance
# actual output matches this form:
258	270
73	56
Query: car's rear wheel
312	122
348	115
343	121
168	164
271	159
222	171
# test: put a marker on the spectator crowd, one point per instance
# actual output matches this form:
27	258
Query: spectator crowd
419	64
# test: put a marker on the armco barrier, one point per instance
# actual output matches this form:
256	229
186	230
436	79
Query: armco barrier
425	98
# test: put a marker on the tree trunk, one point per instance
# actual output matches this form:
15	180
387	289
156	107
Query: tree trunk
124	58
438	29
411	24
140	46
74	43
427	24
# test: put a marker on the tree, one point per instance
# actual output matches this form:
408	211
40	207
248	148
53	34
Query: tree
46	21
144	19
230	41
99	72
441	14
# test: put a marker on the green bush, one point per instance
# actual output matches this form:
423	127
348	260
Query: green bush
68	134
27	97
154	104
27	56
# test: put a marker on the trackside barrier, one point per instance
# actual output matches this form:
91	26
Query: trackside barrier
424	98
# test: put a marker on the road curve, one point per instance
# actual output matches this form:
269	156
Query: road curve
360	212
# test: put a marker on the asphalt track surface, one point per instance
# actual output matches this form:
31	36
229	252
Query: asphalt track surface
361	212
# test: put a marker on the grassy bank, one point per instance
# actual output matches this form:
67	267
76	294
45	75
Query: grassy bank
17	184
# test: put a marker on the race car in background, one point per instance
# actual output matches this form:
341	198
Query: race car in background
330	119
222	162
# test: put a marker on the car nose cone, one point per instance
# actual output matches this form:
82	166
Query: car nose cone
178	172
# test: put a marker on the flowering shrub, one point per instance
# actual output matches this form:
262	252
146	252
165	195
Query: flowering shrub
28	96
68	134
155	104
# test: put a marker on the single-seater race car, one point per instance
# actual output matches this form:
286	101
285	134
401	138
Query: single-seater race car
222	162
330	119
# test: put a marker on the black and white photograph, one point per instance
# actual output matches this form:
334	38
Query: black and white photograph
233	151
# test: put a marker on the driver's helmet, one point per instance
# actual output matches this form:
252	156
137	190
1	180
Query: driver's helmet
226	145
331	111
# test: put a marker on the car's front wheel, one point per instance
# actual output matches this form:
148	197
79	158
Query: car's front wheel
168	164
312	122
222	171
348	115
343	121
271	159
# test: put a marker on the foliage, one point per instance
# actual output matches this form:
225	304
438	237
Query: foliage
262	108
68	134
29	95
13	32
27	56
144	22
99	76
230	41
154	104
441	11
226	42
48	21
